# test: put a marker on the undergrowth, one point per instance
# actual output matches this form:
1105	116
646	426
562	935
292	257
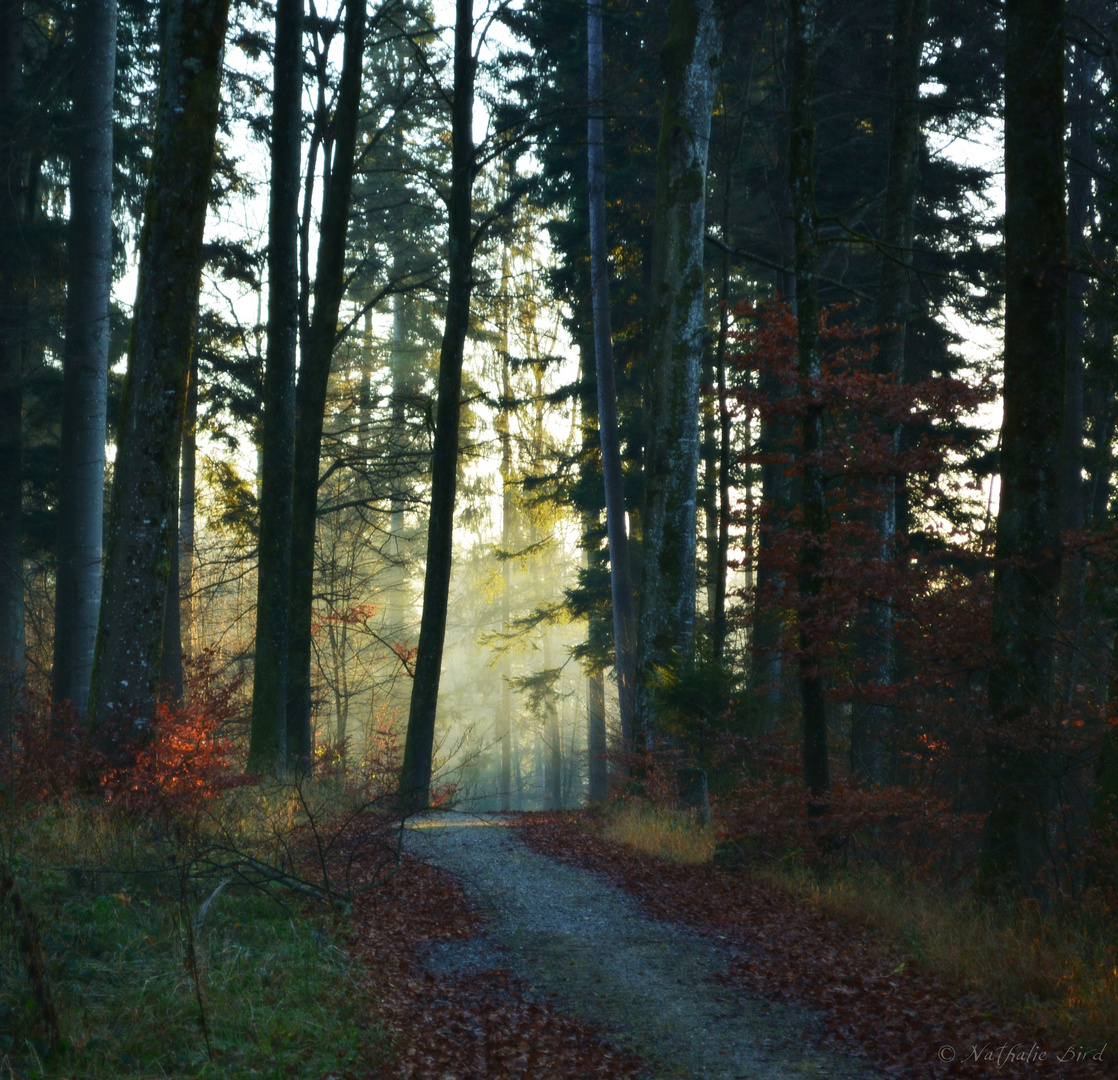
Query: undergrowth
179	918
1054	972
1057	974
672	835
154	974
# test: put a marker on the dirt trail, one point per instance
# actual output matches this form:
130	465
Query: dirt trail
582	942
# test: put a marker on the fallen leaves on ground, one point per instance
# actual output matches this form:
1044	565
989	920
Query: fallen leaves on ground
482	1027
903	1020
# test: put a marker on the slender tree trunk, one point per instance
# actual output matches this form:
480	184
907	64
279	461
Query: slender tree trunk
81	480
554	737
504	727
1027	573
621	586
188	477
596	738
813	497
13	303
775	441
678	325
415	778
268	738
127	659
400	381
314	377
874	723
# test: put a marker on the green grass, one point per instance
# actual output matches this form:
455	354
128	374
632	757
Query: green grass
278	995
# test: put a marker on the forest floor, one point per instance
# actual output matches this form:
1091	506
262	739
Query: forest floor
528	946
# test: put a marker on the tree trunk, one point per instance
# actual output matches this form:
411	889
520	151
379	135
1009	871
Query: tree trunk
85	366
504	725
415	778
874	723
775	439
621	586
127	658
1082	158
678	327
268	738
13	212
188	477
170	676
596	738
1027	573
314	377
813	497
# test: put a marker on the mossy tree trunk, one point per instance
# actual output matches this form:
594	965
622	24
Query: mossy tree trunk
314	376
1027	573
678	332
127	658
268	740
415	777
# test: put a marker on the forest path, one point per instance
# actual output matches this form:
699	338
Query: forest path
651	986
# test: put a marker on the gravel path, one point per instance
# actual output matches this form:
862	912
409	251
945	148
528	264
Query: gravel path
585	944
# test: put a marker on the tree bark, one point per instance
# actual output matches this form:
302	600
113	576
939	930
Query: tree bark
13	213
415	777
1027	573
508	504
621	584
85	363
596	738
314	377
678	328
127	657
873	724
268	735
813	495
188	477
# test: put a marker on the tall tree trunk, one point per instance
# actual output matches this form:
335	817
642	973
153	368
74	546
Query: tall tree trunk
85	363
596	738
415	777
874	722
813	495
775	439
13	302
268	738
621	585
678	325
1082	164
504	723
554	736
314	377
188	478
1027	573
126	665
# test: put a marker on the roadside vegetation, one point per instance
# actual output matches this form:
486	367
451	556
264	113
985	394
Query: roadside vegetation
1054	971
176	918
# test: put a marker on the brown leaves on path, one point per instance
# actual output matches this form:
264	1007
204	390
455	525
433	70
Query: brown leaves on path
903	1020
482	1027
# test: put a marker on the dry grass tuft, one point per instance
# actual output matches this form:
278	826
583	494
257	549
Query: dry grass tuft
1061	978
671	835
